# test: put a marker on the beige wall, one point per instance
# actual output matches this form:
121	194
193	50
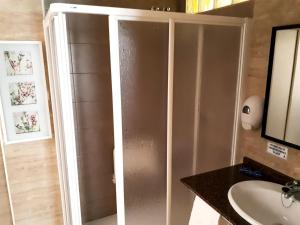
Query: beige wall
32	168
267	13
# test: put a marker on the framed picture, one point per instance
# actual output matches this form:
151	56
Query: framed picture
24	110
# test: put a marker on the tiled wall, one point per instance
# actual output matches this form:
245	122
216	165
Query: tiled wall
266	15
89	48
32	168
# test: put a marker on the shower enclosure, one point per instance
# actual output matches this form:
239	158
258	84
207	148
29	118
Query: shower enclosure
140	99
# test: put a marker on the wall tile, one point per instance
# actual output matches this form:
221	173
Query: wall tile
93	88
93	115
88	36
101	203
89	58
91	29
92	140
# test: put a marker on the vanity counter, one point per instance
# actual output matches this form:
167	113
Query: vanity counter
213	186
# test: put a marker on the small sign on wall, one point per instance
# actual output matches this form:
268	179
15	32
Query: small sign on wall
277	150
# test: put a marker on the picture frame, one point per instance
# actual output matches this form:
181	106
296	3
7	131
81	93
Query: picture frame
24	108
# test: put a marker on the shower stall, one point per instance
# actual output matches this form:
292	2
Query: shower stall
140	99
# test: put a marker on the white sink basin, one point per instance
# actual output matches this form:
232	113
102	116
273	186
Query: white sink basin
259	203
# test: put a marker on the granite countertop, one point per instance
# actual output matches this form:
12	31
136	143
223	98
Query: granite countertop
213	186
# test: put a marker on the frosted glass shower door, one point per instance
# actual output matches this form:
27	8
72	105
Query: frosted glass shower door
143	77
205	82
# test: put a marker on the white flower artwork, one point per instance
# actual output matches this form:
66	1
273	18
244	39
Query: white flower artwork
22	93
18	63
24	110
26	122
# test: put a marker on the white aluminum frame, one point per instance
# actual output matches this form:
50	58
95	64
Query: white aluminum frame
57	8
170	119
117	118
63	116
240	88
62	97
116	90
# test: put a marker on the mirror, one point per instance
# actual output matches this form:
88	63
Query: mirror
281	120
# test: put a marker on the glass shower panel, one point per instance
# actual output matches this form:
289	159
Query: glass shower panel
88	39
143	48
203	105
187	55
219	73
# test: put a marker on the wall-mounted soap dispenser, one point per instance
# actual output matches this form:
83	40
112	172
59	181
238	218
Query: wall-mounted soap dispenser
252	112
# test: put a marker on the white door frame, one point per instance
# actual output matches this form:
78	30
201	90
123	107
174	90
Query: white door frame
117	106
117	117
63	116
60	85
